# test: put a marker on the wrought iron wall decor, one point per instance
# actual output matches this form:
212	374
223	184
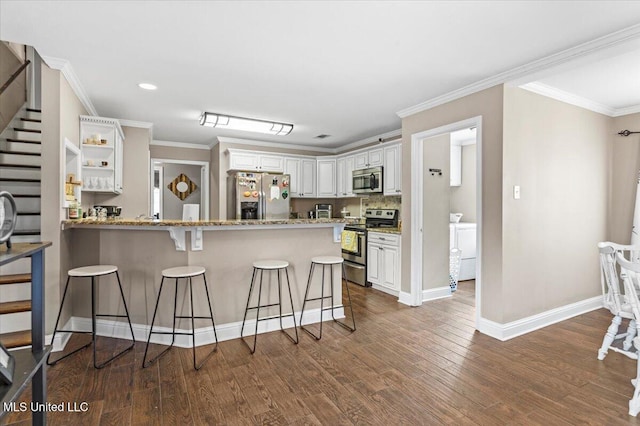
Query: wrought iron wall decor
182	186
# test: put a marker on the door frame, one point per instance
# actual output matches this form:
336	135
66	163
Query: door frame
204	179
417	206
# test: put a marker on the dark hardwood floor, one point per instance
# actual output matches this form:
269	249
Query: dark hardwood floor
403	365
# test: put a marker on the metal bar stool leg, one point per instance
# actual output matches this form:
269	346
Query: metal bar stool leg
128	348
292	310
246	309
155	311
55	329
215	348
295	327
346	283
306	295
255	335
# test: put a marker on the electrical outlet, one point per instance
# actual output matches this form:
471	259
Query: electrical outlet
516	192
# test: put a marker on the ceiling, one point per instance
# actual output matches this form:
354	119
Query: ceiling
338	68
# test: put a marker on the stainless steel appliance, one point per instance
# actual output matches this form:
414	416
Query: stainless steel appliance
355	261
324	211
367	181
258	196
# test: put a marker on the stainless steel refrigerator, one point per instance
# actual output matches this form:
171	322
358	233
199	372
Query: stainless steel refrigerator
258	196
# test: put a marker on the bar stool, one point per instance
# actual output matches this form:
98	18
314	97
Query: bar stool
93	272
261	266
326	261
187	273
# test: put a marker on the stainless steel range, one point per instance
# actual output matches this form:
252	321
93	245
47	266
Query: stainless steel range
355	261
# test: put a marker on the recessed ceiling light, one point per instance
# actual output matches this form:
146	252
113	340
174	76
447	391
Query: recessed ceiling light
147	86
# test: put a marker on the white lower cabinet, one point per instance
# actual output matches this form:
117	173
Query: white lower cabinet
383	262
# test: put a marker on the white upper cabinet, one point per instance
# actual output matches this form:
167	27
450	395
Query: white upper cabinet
327	178
307	178
455	177
344	175
302	171
369	158
392	172
255	161
101	146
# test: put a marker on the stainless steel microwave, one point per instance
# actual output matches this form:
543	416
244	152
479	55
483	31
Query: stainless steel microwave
367	181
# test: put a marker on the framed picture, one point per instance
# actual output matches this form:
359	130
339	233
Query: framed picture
7	364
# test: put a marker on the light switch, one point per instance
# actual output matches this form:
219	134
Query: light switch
516	192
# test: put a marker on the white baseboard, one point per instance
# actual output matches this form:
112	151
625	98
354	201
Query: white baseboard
204	335
385	290
436	293
405	298
526	325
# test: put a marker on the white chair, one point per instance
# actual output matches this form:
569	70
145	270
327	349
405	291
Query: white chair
631	273
614	299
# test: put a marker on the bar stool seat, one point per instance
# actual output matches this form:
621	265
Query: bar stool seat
186	273
325	261
92	271
270	264
261	266
183	272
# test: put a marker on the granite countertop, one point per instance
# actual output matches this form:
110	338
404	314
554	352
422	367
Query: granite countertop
165	223
386	230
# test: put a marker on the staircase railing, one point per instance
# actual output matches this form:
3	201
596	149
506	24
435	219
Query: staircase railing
15	75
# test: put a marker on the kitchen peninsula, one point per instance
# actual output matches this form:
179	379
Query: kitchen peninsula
143	248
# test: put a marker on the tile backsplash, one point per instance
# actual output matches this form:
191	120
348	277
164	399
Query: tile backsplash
355	205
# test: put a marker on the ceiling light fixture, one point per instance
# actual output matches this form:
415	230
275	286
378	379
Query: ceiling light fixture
147	86
221	121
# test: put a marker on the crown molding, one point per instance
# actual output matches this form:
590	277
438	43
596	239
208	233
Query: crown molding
569	98
379	138
627	110
173	144
225	139
557	59
132	123
70	75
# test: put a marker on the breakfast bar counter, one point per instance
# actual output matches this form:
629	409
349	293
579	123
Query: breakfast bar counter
141	249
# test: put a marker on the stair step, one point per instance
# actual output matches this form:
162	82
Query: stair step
25	195
15	307
21	166
32	120
27	232
15	279
34	110
23	141
19	153
19	129
29	213
18	180
16	339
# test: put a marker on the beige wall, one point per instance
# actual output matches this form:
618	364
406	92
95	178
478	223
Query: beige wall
60	118
488	104
134	199
174	153
435	250
15	95
463	197
559	155
625	166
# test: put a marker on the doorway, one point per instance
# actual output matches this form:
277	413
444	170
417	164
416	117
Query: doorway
176	183
423	174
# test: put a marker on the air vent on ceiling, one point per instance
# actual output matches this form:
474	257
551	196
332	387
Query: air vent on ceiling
322	136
